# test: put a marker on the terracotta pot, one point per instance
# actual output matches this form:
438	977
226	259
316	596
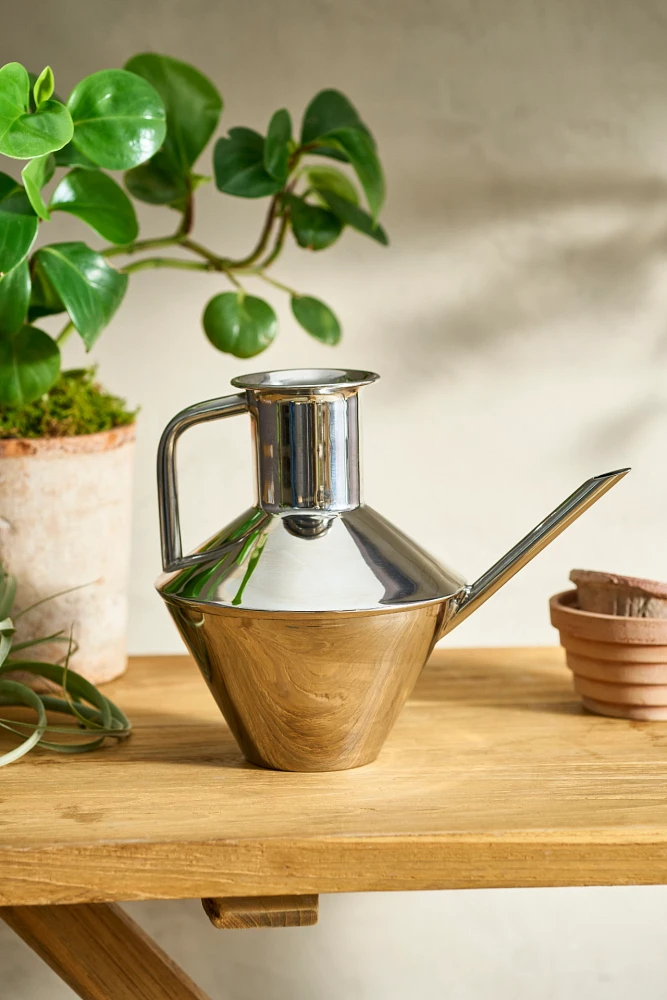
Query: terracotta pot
65	509
611	594
619	663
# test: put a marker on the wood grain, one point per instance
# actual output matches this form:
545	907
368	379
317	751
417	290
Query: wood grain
100	952
262	911
494	775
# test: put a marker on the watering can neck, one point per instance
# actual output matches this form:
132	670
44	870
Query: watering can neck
306	436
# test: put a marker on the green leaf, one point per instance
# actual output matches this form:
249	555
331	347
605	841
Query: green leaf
330	179
276	152
33	77
29	366
360	151
6	638
330	152
70	156
239	325
36	174
98	200
14	298
239	133
43	87
89	288
157	185
316	318
7	595
354	216
44	299
239	165
192	104
314	228
333	123
22	134
18	224
119	119
193	107
327	111
17	693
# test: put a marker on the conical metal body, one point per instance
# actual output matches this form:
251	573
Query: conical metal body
353	560
310	615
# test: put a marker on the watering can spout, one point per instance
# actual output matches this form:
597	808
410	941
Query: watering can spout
517	557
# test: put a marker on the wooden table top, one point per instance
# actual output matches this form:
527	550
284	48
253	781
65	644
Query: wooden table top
493	776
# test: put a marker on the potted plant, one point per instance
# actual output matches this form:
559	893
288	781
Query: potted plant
65	482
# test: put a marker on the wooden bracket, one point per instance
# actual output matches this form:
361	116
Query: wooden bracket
229	913
100	952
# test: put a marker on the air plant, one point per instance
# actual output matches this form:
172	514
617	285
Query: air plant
96	716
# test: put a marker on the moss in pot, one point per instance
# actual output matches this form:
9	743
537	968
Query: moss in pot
614	631
76	404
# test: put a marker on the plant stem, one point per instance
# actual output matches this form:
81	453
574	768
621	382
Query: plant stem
235	281
151	262
66	331
138	245
276	284
263	238
182	239
216	265
188	219
278	245
212	258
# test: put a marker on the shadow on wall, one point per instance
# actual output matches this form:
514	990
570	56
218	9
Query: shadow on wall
571	267
467	201
570	244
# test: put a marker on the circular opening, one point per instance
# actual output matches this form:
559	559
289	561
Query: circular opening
305	378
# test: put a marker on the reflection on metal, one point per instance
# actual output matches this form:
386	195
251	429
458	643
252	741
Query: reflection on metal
311	589
351	561
307	525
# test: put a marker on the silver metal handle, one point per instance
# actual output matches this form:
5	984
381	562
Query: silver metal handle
170	528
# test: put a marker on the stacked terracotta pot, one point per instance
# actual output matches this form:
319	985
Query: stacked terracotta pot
614	630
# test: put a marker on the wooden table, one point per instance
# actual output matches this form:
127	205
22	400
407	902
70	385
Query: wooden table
493	777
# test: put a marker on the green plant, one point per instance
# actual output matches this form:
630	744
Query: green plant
76	404
152	120
95	715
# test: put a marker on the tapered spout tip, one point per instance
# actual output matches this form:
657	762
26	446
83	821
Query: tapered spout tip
616	474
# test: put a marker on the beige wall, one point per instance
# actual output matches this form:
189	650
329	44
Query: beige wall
519	320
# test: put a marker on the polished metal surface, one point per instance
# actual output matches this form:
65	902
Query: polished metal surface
306	449
310	615
316	692
312	381
170	528
354	560
532	543
306	432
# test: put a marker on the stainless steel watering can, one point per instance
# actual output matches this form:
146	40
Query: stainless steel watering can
310	615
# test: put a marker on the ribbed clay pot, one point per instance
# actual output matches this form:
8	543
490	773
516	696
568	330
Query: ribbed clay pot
65	515
619	662
613	594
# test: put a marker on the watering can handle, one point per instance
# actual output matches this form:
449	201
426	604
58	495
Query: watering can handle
170	528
